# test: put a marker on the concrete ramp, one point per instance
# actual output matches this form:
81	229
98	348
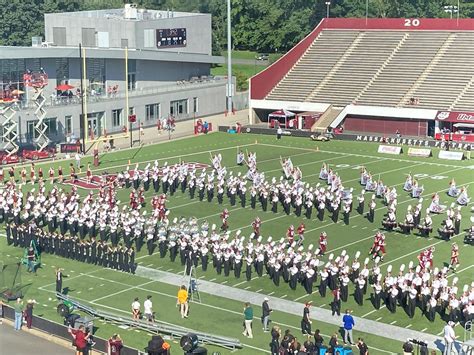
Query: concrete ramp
325	120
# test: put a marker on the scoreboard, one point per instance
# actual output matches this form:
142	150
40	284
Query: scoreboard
171	37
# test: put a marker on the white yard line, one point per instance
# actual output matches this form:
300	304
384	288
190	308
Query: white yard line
301	297
240	283
364	156
238	207
418	250
461	270
228	311
371	236
385	207
121	291
373	311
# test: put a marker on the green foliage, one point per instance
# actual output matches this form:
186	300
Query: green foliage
258	25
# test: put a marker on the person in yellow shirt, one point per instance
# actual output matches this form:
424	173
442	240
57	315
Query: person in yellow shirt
183	301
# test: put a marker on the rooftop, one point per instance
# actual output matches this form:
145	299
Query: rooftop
130	13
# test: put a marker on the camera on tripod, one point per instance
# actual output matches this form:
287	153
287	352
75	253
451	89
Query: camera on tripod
418	342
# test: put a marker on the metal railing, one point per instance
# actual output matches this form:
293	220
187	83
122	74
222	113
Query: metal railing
98	96
156	327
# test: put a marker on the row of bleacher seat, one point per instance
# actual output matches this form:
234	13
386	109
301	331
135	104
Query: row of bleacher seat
384	68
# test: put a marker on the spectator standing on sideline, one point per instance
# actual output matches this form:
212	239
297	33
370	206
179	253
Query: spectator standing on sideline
77	157
449	338
80	339
31	260
183	301
279	132
1	311
18	313
306	321
266	310
148	308
349	323
407	348
333	344
336	302
362	346
275	343
59	280
29	313
318	340
248	317
136	309
114	345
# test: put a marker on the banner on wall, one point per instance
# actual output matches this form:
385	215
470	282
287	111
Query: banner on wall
455	116
419	152
390	149
450	155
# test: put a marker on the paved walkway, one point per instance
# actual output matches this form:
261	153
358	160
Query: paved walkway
183	129
27	342
295	308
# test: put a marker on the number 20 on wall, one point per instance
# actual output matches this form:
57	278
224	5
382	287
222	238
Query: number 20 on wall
412	22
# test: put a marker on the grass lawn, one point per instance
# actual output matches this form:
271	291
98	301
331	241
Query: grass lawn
251	55
115	291
242	71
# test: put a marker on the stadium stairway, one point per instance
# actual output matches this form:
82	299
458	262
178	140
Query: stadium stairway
428	70
335	68
313	66
465	100
368	53
325	120
384	68
402	71
292	307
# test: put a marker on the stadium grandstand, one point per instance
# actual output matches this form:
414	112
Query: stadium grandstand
356	71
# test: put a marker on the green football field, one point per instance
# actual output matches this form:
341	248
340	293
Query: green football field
114	291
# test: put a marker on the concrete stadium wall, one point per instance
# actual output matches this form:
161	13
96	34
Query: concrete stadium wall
211	100
386	126
198	30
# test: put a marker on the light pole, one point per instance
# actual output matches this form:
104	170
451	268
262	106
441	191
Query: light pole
366	11
229	60
328	3
457	13
451	9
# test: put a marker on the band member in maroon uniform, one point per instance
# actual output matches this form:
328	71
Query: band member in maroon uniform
256	227
51	175
224	217
323	243
454	261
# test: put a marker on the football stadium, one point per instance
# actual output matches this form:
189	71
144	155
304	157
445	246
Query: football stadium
334	215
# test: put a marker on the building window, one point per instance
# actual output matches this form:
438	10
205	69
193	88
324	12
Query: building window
88	37
117	118
96	73
179	107
59	36
52	124
195	104
149	38
68	125
62	71
132	81
132	74
152	112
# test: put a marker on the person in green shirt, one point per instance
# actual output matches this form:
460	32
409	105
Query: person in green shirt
248	318
18	313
